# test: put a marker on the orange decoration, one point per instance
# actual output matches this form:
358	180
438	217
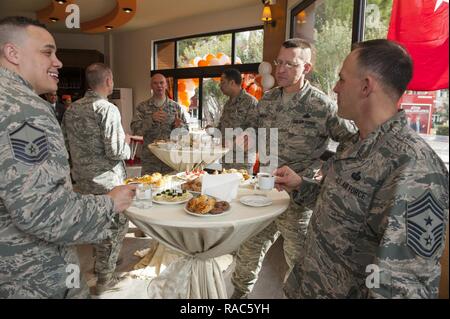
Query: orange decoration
181	86
219	55
182	95
209	57
202	63
196	82
258	79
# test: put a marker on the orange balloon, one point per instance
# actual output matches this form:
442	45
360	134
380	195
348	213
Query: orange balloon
182	95
258	79
209	57
196	82
181	86
219	55
252	89
202	63
258	93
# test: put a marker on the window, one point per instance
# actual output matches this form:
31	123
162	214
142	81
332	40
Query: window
328	25
195	63
332	26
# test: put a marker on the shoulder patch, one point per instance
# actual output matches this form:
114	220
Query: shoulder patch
29	144
425	225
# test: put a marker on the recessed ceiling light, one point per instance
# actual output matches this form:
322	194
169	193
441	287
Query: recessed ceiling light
53	19
109	27
127	10
61	1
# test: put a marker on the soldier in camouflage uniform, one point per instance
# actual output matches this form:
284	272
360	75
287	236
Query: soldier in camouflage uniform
238	112
94	136
378	228
154	120
41	218
306	119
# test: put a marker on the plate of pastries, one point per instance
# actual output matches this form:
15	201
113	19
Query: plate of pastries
156	180
172	197
193	186
246	179
207	206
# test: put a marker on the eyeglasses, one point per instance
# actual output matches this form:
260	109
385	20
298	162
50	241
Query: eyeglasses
287	65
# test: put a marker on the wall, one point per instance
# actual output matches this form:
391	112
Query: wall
80	41
132	51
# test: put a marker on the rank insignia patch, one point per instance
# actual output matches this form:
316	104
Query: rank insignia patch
425	225
29	144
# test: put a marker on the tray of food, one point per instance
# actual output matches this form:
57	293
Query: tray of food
190	175
193	186
207	206
156	180
172	197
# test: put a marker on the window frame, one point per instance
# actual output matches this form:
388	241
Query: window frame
205	71
358	20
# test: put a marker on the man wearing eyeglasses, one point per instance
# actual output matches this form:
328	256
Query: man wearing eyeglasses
305	119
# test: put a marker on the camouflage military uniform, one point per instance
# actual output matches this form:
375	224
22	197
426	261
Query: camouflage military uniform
305	125
96	140
239	112
383	202
144	125
41	218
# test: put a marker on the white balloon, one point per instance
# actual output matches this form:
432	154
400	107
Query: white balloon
190	85
214	61
224	59
265	68
267	81
190	93
196	60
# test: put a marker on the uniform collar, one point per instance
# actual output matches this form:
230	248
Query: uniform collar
362	148
11	75
93	94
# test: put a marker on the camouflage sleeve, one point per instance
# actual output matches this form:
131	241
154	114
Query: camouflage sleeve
307	193
64	131
338	128
113	135
140	123
251	118
409	216
41	203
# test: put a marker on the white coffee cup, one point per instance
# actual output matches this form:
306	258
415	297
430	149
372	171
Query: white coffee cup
265	181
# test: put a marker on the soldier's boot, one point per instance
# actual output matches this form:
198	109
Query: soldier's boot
237	294
107	282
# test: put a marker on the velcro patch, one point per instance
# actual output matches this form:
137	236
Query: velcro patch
425	225
29	144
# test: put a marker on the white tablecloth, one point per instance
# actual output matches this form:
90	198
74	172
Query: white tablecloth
200	239
185	159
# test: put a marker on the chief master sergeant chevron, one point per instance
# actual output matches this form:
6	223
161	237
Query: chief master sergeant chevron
41	218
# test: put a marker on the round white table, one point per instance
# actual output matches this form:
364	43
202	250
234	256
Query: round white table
200	240
186	158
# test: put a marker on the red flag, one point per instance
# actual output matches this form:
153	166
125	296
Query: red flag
422	27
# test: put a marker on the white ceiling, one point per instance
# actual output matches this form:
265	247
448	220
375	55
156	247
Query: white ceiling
149	12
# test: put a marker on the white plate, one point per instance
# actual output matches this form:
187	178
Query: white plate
207	215
255	200
188	177
174	203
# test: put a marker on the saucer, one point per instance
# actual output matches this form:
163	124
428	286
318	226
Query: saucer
255	200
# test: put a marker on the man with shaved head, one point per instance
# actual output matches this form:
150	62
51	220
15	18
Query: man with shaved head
98	145
154	120
41	218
